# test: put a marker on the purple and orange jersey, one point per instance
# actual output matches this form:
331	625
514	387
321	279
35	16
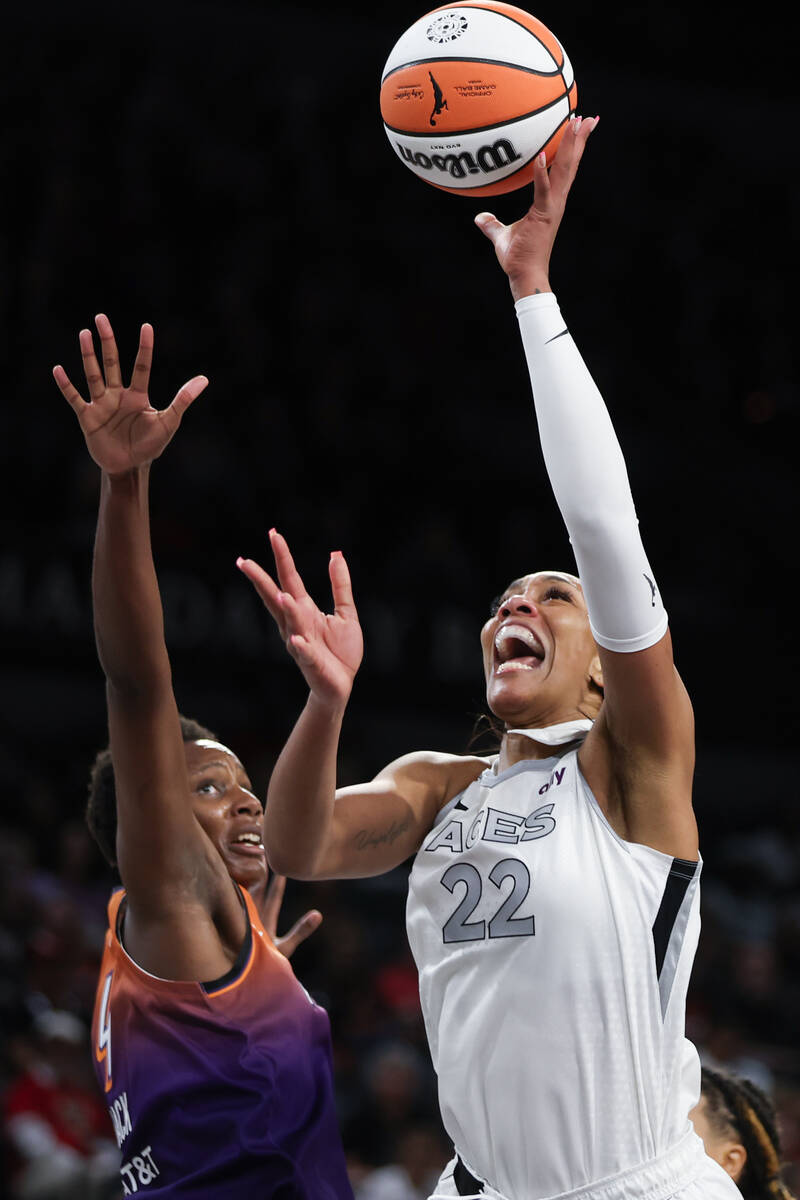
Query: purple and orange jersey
218	1089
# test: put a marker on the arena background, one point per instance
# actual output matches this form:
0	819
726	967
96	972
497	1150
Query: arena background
222	172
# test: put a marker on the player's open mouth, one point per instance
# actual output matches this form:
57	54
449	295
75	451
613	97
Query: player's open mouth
517	648
248	843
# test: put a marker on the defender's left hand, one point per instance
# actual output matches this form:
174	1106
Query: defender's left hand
271	907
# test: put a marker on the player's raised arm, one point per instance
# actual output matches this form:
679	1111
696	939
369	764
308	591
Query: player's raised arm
311	830
157	835
646	719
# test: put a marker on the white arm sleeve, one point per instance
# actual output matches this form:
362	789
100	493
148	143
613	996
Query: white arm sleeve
590	483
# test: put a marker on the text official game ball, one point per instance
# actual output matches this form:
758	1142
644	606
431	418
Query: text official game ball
472	92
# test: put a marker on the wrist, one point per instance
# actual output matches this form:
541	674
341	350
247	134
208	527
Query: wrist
123	481
530	284
327	709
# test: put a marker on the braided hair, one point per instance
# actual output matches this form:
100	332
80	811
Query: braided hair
736	1107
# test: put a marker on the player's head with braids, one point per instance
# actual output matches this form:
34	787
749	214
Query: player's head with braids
738	1125
101	805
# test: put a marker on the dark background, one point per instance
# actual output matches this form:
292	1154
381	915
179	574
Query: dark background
222	172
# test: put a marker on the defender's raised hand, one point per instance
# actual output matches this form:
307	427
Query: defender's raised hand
327	647
122	429
523	249
270	907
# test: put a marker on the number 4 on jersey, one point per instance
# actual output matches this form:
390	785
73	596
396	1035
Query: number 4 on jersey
103	1048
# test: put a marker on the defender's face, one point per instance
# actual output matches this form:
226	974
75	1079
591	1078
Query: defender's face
724	1148
538	650
229	812
702	1125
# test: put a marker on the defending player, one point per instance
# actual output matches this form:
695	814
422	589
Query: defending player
739	1128
553	903
215	1062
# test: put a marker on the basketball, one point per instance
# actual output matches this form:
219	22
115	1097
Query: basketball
472	93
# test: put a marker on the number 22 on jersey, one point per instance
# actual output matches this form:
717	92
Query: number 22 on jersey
503	924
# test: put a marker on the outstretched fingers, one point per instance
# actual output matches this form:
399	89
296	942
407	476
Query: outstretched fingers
171	417
140	379
541	182
291	618
186	396
570	151
271	904
69	391
299	932
267	589
288	574
108	346
91	367
270	911
489	225
341	586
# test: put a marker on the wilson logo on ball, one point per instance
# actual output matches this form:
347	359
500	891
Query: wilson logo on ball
471	94
486	159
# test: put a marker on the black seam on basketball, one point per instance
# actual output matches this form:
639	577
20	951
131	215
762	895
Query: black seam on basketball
489	62
451	133
513	21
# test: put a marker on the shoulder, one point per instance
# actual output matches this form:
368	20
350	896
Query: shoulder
434	767
645	794
429	779
379	824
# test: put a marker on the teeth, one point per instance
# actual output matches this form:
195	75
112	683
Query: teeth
518	633
253	838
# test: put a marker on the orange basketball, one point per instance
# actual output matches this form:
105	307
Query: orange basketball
472	92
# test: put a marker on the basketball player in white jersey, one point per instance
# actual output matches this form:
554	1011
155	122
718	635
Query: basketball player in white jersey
553	903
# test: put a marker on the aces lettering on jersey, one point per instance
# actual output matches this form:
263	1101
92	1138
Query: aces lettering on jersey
492	825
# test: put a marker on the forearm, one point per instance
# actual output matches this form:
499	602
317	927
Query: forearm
590	483
299	812
128	618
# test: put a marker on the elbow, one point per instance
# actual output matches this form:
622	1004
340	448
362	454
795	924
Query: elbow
279	863
134	670
289	862
603	524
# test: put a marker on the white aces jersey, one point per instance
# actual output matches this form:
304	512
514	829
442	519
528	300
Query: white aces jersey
553	960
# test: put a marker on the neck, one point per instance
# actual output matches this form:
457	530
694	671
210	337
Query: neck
516	748
541	741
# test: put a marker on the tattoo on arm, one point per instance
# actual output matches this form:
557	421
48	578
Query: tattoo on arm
366	839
